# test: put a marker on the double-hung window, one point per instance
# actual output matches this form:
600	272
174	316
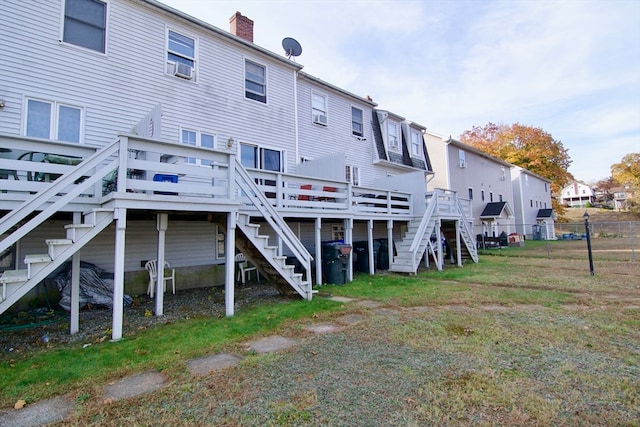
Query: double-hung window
357	122
319	109
470	193
416	139
85	24
181	55
197	139
352	174
255	81
392	135
255	157
53	120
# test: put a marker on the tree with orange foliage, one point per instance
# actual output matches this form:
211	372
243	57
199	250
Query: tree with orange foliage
528	147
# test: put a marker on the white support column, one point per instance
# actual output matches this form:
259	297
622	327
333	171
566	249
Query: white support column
318	251
390	240
372	260
348	235
230	266
162	222
459	243
74	315
120	215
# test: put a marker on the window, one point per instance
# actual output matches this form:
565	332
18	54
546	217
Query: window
53	120
337	232
252	156
220	243
85	24
500	197
545	188
392	133
416	138
357	122
470	193
352	174
181	55
319	109
255	81
461	159
491	196
482	195
197	139
531	201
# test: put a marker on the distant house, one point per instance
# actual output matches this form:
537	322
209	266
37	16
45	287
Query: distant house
535	217
621	197
577	195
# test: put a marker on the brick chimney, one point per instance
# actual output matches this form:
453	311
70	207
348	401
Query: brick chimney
242	27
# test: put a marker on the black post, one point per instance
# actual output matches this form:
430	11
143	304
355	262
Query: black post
586	227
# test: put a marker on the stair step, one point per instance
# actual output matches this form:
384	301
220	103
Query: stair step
57	245
9	288
76	231
401	268
96	216
35	263
13	276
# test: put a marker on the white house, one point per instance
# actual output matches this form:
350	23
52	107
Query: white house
130	131
532	204
482	179
577	194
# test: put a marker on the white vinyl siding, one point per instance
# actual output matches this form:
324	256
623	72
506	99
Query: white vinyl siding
85	24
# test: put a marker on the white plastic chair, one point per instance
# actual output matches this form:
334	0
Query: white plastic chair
244	271
152	268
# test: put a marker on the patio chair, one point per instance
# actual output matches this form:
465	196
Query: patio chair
305	196
152	268
244	270
329	190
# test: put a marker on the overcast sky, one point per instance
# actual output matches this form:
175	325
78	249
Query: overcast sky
571	68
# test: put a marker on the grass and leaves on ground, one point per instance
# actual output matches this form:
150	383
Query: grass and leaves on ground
511	340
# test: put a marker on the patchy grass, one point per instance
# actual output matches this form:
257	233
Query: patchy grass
512	340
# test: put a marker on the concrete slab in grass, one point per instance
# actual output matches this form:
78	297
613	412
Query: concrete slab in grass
322	328
369	304
134	385
350	319
40	413
271	344
342	299
204	365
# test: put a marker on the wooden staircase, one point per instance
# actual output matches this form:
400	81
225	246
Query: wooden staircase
16	283
265	258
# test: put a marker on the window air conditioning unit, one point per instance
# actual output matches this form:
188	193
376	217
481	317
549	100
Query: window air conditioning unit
320	119
183	70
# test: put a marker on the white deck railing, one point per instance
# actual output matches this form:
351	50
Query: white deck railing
158	169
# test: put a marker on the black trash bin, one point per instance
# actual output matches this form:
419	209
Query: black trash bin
333	270
381	246
504	239
361	256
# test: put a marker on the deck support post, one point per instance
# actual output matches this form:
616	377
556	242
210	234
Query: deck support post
440	252
372	260
120	215
162	222
230	265
458	243
390	240
318	239
74	315
348	239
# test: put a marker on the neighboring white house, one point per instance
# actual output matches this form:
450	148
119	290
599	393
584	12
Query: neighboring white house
128	118
577	194
483	179
532	204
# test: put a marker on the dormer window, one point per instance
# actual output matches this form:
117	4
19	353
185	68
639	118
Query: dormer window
357	122
393	136
416	138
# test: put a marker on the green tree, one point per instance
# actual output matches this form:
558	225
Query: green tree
627	172
528	147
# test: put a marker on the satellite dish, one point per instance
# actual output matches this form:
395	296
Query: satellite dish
291	47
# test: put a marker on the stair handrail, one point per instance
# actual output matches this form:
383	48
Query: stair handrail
260	201
39	199
465	224
422	227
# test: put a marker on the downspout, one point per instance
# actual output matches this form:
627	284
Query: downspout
295	116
